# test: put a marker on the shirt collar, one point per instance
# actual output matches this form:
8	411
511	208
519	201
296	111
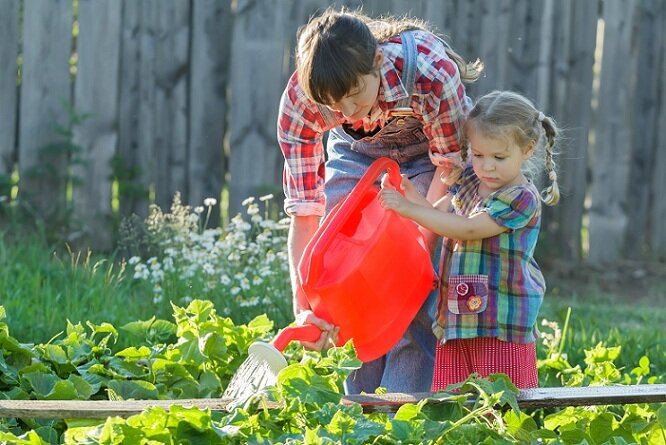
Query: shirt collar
391	88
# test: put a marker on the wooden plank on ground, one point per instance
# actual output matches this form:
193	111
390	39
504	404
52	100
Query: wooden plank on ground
96	93
527	399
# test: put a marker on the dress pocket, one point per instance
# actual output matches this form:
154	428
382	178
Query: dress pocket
467	294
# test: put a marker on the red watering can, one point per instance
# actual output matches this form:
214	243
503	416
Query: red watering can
366	270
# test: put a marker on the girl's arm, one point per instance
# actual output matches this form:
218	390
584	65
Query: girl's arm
438	220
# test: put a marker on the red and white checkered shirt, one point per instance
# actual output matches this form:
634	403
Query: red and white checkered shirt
438	100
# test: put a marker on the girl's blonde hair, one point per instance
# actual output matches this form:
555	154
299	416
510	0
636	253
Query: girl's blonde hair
505	114
338	47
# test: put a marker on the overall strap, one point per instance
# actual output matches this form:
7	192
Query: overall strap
408	77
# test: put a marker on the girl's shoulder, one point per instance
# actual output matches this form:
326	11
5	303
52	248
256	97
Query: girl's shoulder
515	206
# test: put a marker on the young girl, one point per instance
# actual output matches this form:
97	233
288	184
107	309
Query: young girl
491	286
383	88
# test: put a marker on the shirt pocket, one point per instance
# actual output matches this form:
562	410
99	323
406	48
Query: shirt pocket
467	294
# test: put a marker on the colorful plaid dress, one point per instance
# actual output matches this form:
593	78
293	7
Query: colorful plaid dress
492	287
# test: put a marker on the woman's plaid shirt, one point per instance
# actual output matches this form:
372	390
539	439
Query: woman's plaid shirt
438	100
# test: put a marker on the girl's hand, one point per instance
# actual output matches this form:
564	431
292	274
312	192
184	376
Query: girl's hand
391	199
329	333
406	186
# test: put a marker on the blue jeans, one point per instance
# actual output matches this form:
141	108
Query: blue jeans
408	366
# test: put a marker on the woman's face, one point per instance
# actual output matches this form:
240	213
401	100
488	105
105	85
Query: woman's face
358	102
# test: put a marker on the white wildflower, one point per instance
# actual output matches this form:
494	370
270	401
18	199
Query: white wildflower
132	261
248	201
266	197
210	202
235	290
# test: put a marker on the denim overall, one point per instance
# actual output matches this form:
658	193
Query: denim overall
408	367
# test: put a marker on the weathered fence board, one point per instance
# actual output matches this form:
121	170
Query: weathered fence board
258	49
96	92
9	48
45	93
171	51
527	399
131	184
568	99
658	204
209	72
610	214
643	122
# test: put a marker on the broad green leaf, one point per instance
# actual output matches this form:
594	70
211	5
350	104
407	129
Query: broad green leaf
601	427
83	388
407	412
213	346
134	353
51	387
125	369
138	389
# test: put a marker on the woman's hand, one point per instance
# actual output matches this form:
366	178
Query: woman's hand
329	332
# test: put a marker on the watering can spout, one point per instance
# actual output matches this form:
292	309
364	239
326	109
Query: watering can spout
270	354
307	332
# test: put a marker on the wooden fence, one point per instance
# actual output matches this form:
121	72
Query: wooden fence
183	96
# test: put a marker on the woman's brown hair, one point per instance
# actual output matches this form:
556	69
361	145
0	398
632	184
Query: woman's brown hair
338	47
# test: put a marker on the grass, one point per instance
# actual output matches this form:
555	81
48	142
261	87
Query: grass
602	317
42	288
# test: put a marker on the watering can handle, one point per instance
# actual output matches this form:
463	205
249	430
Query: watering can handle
343	213
306	332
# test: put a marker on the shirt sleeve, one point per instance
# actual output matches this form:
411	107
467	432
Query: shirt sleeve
300	130
513	208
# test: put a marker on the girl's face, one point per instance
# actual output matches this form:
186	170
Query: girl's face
358	102
497	161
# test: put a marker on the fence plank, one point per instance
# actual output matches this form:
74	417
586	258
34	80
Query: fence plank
648	36
610	209
9	48
45	86
570	99
96	92
258	52
133	183
527	399
209	71
658	205
170	45
494	46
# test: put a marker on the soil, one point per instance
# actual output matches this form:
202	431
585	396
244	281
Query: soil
630	281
